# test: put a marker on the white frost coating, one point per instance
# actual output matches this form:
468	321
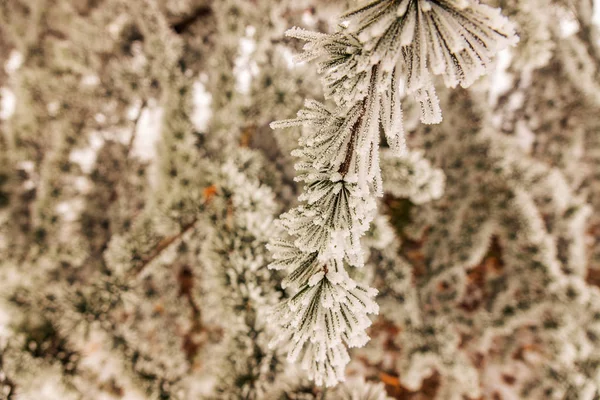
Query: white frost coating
380	47
7	103
147	133
422	38
413	177
358	389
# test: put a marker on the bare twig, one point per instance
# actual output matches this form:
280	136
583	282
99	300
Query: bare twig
181	26
162	246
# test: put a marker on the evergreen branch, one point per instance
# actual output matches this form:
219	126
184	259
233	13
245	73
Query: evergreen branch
339	155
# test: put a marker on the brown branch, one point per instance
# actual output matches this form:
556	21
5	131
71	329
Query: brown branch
186	285
181	26
161	246
345	166
208	194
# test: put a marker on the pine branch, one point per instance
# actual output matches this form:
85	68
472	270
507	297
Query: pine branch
339	155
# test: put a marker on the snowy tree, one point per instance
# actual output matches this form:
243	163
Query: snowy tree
427	225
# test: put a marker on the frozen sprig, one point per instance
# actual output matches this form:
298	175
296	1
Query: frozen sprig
363	66
456	39
329	311
332	221
328	314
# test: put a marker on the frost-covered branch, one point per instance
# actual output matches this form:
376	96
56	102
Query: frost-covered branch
380	47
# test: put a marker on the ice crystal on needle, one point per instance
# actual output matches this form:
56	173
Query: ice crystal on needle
328	314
